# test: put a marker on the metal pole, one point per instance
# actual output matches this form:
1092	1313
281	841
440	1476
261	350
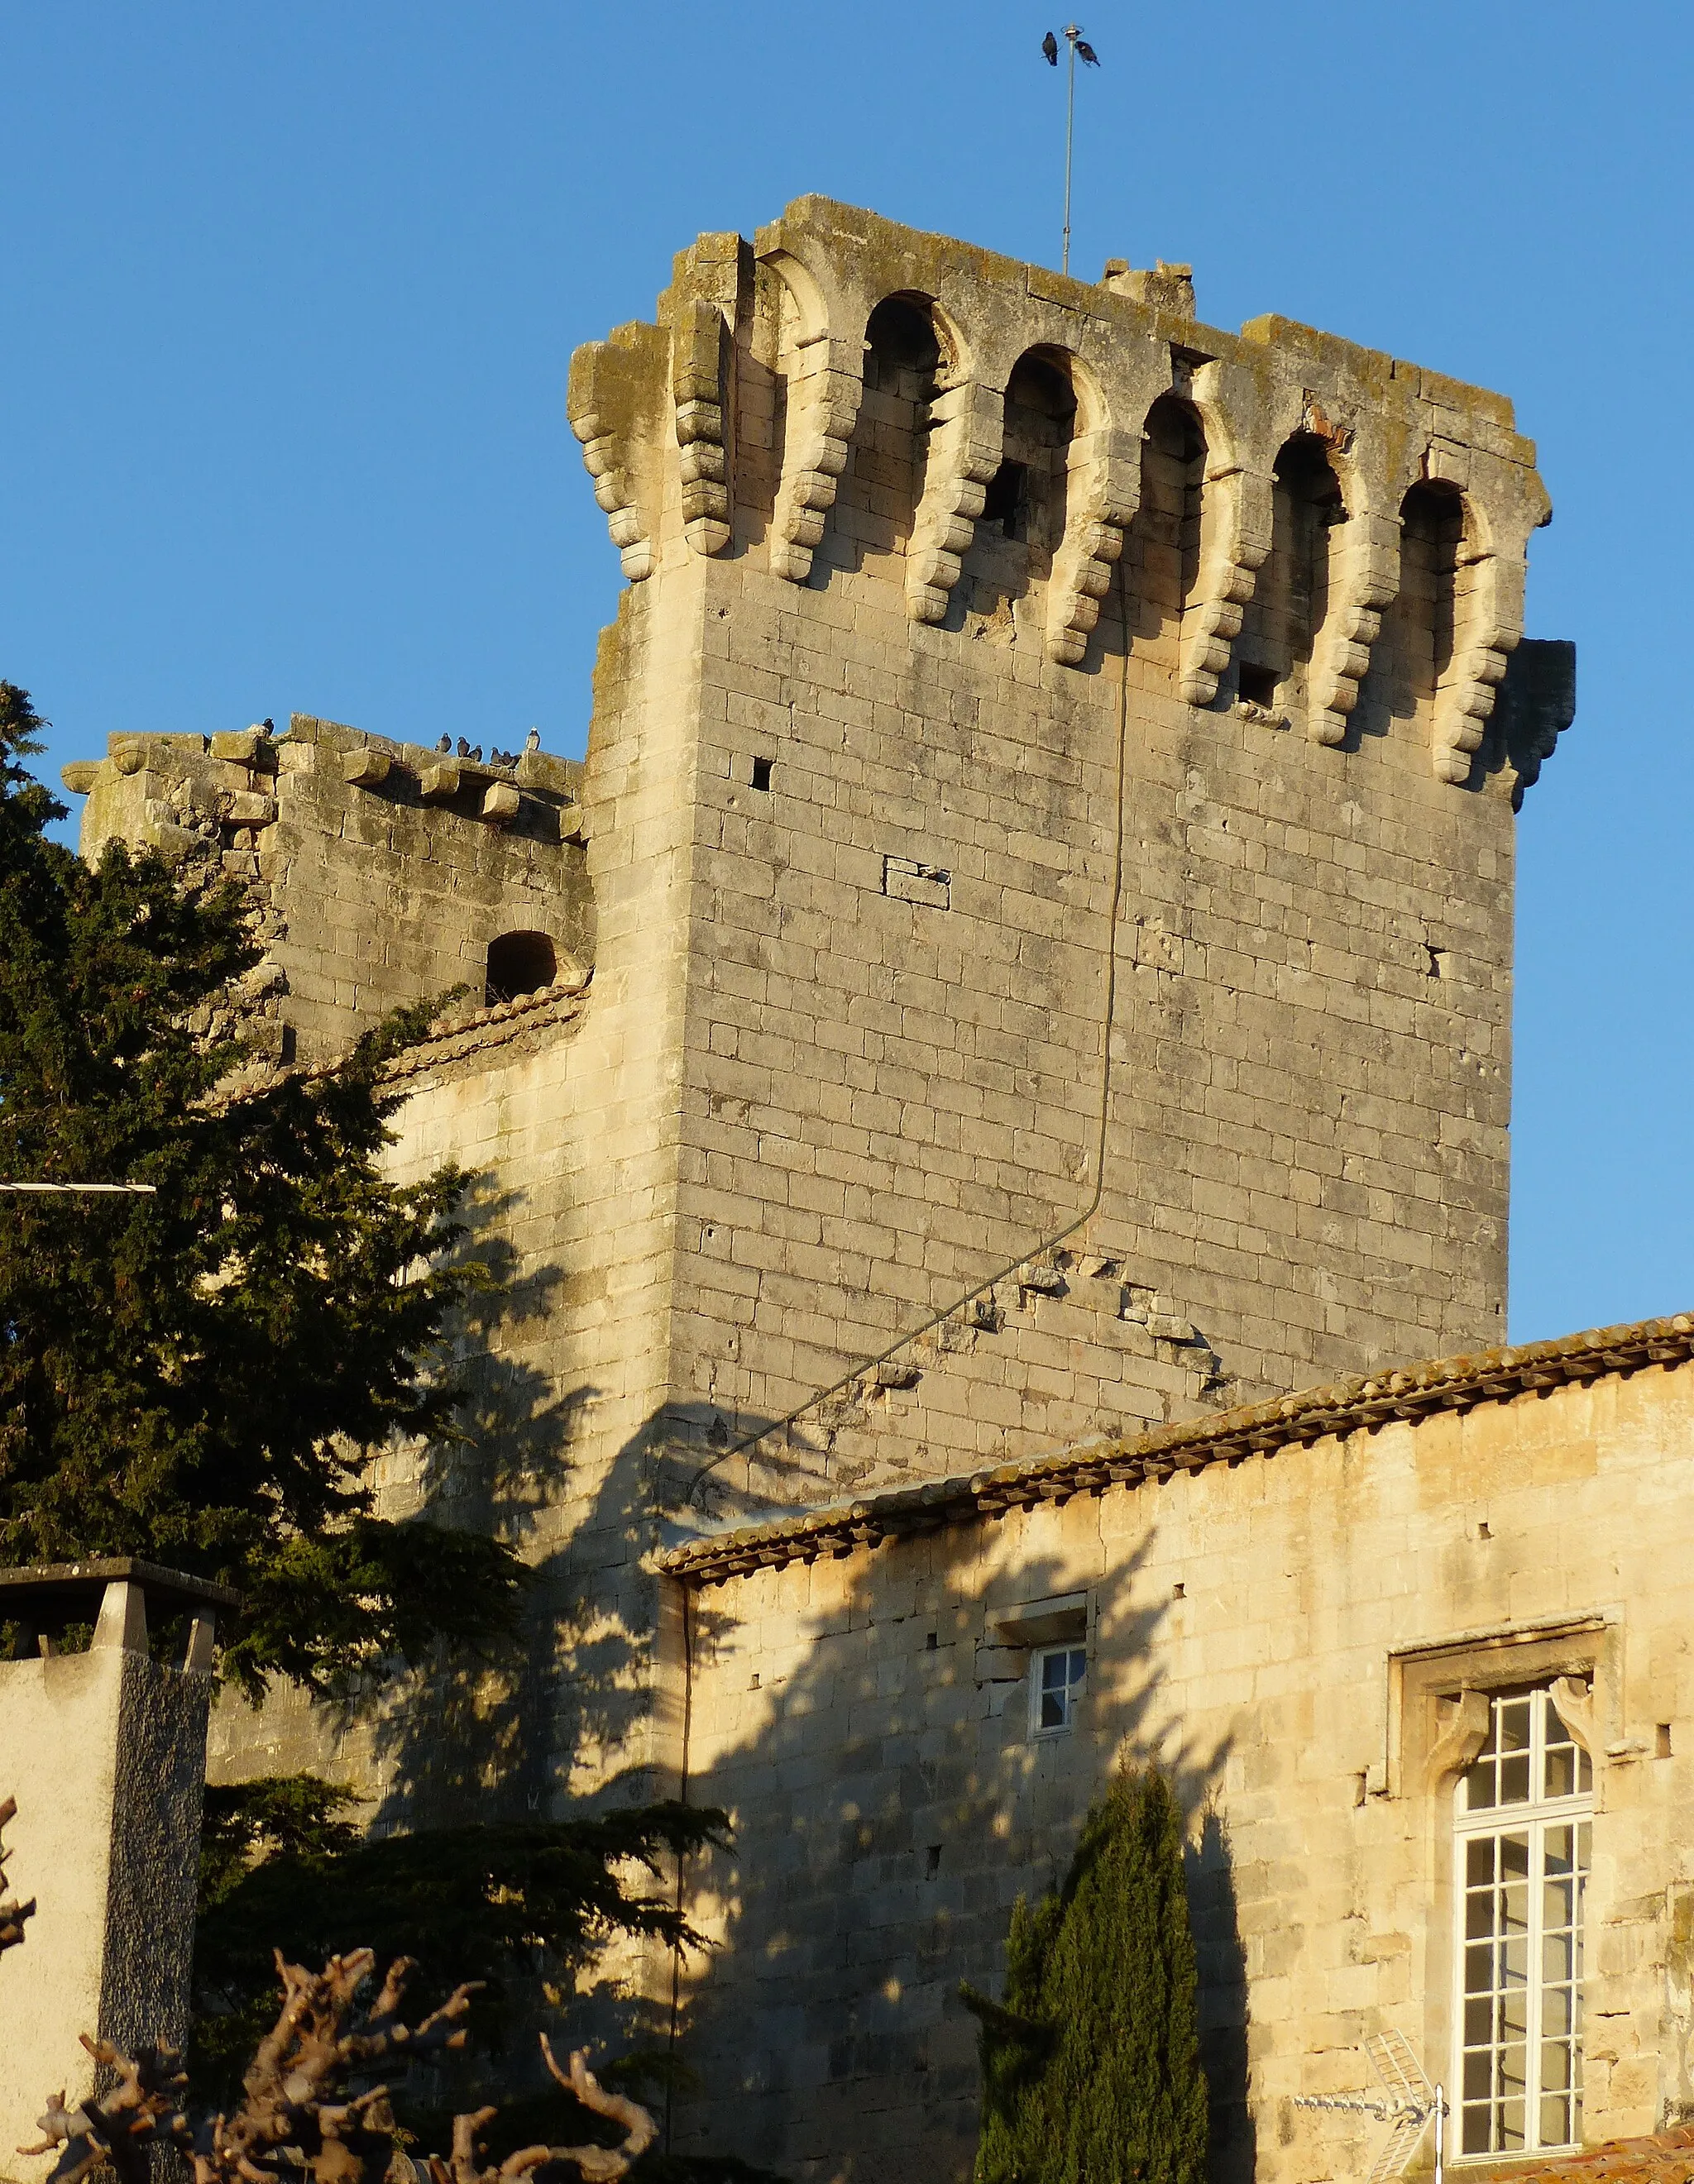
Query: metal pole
1072	32
1440	2133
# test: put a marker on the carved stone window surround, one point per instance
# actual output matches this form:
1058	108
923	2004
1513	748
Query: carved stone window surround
1433	1735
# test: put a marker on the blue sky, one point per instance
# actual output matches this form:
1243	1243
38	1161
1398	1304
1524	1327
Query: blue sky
292	293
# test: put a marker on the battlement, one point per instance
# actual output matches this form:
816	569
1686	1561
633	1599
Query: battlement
999	440
1045	853
380	873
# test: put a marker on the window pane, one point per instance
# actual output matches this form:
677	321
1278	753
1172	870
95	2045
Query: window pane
1052	1672
1078	1662
1052	1709
1520	1919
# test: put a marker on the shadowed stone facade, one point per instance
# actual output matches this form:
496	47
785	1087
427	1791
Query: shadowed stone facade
1025	959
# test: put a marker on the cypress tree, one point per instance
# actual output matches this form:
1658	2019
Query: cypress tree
1091	2063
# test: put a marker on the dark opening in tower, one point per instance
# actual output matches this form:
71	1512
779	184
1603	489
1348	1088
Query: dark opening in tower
877	506
1163	548
519	963
1290	602
1432	529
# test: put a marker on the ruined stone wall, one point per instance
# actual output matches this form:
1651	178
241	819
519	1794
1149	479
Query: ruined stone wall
379	872
1289	1635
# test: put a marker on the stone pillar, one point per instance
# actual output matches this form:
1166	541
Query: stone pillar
104	1751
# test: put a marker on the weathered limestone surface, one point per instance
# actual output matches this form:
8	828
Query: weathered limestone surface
1033	932
1288	1634
379	871
105	1754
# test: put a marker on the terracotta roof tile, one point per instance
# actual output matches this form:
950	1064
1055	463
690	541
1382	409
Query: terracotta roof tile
1443	1383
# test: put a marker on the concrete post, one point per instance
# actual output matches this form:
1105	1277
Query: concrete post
104	1751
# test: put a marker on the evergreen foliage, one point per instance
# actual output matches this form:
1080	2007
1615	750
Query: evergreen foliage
281	1868
206	1377
1090	2065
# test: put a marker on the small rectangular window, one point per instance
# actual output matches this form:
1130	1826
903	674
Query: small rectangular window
761	772
1258	684
1056	1680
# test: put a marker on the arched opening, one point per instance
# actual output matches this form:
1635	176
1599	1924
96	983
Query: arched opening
1432	571
1291	600
1023	523
876	505
1161	553
519	963
1027	495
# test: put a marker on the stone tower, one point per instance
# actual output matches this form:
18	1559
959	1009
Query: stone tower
1030	943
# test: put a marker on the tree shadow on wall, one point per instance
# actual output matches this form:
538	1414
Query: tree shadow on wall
890	1802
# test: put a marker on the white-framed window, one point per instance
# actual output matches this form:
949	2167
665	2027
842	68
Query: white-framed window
1055	1682
1522	1822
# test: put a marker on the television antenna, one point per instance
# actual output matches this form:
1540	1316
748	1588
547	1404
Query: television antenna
1406	2102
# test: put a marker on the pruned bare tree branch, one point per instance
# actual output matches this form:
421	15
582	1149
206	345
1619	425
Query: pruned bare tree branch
12	1915
299	2111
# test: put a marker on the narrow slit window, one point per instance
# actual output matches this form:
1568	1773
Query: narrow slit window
1007	502
761	772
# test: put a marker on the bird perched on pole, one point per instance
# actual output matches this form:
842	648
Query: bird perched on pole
1078	46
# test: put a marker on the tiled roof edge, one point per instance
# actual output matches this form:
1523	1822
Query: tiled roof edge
482	1029
1443	1383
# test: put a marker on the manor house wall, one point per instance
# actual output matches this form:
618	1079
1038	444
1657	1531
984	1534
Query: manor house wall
1300	1612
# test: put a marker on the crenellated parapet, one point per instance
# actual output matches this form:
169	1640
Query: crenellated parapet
844	381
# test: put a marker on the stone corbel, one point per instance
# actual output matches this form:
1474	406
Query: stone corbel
701	401
1369	579
966	436
1493	623
610	401
826	380
1573	1698
1104	485
1499	516
1535	705
1235	522
1461	1741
